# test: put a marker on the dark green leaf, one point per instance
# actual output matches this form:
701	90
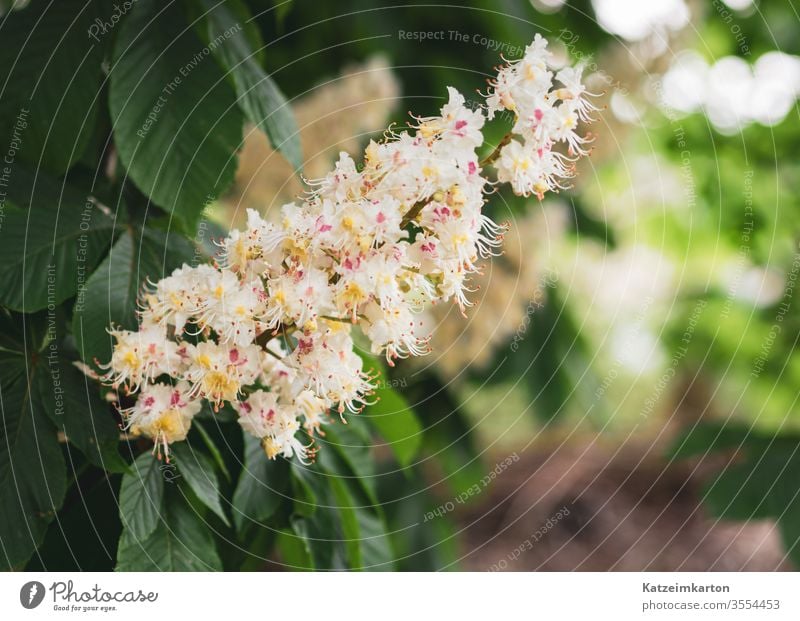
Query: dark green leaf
282	10
396	422
182	542
88	529
393	418
293	552
112	291
449	435
198	472
319	525
303	494
141	496
739	493
364	529
50	72
258	95
321	541
176	123
704	438
48	250
353	447
71	401
32	469
261	487
212	448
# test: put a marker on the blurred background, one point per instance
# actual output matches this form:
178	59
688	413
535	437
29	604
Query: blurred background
624	393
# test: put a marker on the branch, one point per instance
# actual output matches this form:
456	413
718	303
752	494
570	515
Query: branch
412	213
489	159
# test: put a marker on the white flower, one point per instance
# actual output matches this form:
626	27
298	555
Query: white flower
331	369
234	309
261	415
544	117
219	372
393	330
298	297
164	413
142	356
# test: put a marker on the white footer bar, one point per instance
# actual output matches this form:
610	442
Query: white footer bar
389	597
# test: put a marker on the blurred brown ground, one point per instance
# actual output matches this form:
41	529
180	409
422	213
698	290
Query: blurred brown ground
627	512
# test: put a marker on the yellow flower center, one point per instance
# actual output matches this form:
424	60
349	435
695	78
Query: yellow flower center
220	386
270	448
131	359
170	424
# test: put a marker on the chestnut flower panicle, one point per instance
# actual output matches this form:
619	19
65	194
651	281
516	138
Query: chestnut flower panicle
269	328
547	107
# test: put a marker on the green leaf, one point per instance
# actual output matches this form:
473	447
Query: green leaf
261	487
282	9
51	239
376	547
739	493
141	496
258	95
305	501
703	438
319	526
176	123
760	481
50	72
418	545
198	472
212	448
394	419
183	542
71	401
321	541
364	529
74	545
293	552
785	505
449	436
32	469
396	422
112	291
353	447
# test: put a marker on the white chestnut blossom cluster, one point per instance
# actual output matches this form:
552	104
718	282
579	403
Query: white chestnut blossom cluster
547	108
269	328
